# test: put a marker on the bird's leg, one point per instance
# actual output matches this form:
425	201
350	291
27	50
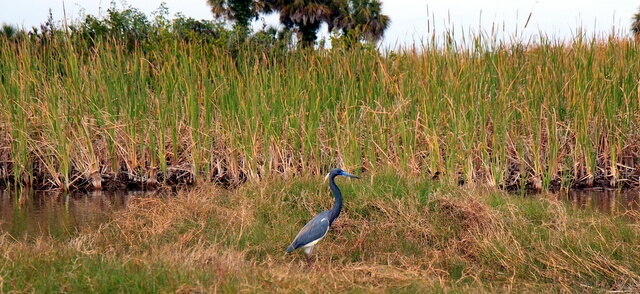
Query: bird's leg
308	251
309	260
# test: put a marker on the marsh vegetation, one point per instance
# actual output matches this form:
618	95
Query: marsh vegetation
438	133
92	113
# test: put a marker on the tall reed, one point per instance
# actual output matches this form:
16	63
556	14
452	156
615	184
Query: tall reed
518	116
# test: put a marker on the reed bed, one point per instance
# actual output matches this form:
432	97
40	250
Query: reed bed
540	116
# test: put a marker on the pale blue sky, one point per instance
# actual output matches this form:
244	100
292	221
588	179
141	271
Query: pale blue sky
412	20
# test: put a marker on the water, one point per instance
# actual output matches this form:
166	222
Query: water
37	213
606	201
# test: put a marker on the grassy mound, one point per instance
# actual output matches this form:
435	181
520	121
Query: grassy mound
395	234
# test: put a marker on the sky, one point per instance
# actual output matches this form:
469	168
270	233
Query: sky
412	21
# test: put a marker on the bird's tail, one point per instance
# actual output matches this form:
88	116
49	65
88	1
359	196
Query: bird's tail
290	248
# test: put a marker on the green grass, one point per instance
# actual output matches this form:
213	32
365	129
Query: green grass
395	234
521	115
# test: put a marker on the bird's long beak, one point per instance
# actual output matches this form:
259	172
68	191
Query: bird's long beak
326	177
349	175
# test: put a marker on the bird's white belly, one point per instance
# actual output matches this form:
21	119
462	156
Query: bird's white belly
309	246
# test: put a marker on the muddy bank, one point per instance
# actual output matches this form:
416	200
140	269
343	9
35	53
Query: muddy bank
182	175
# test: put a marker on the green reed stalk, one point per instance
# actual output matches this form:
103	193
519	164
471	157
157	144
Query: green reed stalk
547	112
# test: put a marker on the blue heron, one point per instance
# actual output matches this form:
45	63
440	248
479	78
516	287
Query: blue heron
318	226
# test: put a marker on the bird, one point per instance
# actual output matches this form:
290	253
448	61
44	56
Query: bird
319	225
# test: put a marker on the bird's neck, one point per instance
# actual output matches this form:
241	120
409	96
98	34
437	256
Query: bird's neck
337	206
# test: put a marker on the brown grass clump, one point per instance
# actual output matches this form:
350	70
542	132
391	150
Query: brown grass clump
180	218
227	234
471	218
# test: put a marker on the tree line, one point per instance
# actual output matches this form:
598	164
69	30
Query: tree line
355	20
349	21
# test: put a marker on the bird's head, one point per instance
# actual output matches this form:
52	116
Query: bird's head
338	172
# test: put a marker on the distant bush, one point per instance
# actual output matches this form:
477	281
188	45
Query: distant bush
133	29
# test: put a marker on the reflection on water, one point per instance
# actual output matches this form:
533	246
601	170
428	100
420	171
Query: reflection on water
36	213
607	201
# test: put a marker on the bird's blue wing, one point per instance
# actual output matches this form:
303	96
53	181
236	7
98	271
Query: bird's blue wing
315	229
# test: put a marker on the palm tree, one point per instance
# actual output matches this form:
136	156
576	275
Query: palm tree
8	31
242	12
362	18
306	15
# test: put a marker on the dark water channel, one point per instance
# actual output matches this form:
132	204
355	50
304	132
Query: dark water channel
36	213
606	201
